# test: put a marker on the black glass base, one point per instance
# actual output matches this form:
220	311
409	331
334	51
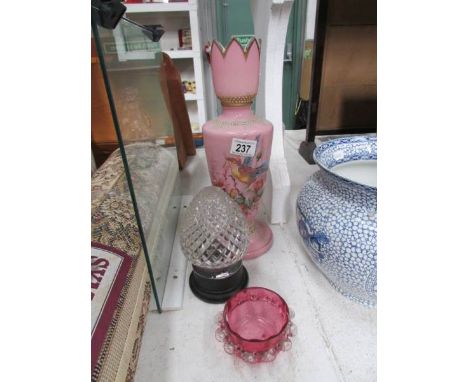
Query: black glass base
218	291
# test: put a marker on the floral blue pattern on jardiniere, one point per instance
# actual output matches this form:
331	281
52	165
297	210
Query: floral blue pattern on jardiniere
337	219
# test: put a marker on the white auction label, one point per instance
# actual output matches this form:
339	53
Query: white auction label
243	147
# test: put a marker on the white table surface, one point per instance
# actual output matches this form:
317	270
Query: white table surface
336	338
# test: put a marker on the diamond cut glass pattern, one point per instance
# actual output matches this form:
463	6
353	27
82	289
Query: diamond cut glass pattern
214	231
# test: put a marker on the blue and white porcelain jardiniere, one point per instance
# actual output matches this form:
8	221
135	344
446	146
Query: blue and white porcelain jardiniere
336	215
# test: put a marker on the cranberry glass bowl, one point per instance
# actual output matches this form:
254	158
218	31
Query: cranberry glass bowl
255	325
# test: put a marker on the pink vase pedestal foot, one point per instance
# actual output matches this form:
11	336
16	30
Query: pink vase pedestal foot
260	240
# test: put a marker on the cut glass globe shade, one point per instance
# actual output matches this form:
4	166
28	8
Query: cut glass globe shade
214	234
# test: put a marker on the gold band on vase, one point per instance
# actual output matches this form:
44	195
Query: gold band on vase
237	101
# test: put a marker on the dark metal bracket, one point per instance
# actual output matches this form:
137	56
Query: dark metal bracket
153	32
108	13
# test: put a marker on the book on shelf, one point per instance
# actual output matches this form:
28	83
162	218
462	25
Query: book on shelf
185	39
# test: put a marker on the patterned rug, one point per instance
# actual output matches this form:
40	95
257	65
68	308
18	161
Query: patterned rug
120	288
109	271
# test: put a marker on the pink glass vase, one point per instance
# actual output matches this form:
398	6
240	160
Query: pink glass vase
237	143
256	325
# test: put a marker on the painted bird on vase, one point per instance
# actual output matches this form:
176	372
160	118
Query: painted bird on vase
244	173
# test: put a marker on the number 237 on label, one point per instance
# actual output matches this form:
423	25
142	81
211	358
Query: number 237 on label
243	147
